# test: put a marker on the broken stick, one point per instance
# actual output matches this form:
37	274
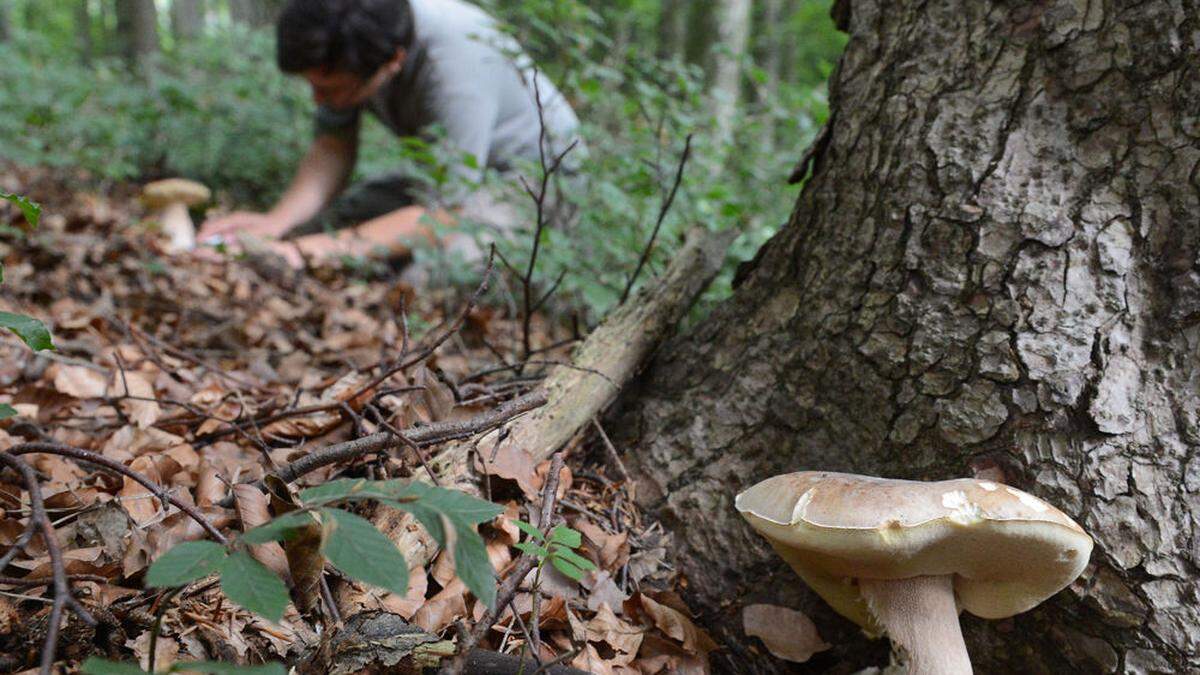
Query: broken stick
610	357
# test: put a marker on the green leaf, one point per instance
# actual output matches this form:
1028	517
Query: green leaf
362	552
351	488
567	568
185	563
31	210
428	516
7	411
573	558
530	530
532	549
98	666
31	331
564	535
279	529
460	505
471	562
216	668
250	584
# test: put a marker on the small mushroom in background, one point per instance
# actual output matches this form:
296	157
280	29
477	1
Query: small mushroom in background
903	557
169	201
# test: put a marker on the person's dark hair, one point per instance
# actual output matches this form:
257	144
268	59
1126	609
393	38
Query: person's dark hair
357	36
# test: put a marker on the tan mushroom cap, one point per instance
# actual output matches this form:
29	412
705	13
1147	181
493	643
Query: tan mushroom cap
162	193
1008	550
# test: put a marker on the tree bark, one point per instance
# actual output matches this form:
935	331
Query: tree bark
994	269
672	29
771	56
733	34
187	19
137	30
83	29
255	13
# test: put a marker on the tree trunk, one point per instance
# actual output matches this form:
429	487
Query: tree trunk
83	29
733	33
672	29
5	26
255	13
771	56
137	30
187	19
995	268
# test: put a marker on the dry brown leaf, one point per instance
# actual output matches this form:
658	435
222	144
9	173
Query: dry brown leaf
209	488
10	619
672	622
623	637
658	655
442	609
589	660
512	463
166	652
138	502
603	590
788	634
143	413
79	381
251	505
306	562
612	549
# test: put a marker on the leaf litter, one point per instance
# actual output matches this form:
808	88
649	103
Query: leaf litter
203	375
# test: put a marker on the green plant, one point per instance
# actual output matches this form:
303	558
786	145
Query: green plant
31	331
349	542
558	549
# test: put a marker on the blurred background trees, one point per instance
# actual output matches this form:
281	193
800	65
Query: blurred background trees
138	89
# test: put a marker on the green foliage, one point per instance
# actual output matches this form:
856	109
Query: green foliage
558	550
216	109
98	666
7	411
250	584
31	210
186	563
355	547
351	544
31	331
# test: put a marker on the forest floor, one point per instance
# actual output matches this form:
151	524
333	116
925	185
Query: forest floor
195	373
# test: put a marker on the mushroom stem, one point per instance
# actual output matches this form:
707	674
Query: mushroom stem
176	222
920	615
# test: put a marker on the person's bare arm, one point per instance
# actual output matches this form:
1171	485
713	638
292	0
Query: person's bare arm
322	174
392	232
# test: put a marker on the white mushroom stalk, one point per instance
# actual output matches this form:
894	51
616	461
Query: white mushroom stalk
920	615
901	557
169	201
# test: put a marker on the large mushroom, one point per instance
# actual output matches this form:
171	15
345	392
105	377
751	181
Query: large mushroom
169	201
903	557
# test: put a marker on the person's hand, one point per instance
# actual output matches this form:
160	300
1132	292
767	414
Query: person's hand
230	226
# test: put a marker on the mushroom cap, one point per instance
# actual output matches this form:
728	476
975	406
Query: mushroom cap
1008	550
162	193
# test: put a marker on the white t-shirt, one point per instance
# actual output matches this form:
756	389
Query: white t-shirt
464	75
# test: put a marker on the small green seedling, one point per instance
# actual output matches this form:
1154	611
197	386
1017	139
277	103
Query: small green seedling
559	549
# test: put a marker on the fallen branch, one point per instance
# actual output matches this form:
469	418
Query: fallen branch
429	434
578	392
62	587
116	467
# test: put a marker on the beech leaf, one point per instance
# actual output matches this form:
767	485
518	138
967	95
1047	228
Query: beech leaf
355	547
185	563
250	584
